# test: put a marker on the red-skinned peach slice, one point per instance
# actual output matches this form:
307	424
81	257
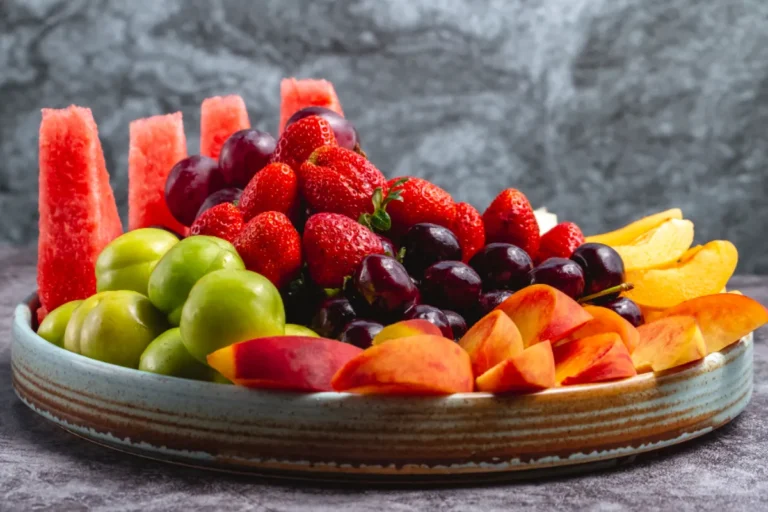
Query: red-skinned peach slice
605	320
723	318
531	370
594	359
294	363
491	340
416	365
405	328
668	342
541	313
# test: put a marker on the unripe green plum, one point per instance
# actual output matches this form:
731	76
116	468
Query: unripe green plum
167	355
128	261
228	306
55	323
115	327
182	266
300	330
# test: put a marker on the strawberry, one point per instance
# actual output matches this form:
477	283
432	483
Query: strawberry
223	221
560	241
469	229
299	140
275	188
421	201
510	219
339	180
271	246
334	245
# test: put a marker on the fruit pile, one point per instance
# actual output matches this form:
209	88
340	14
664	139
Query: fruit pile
295	264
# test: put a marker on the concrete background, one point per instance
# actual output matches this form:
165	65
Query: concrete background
603	110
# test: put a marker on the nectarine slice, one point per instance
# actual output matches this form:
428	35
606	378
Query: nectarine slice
406	328
531	370
594	359
668	342
723	318
650	314
705	273
628	233
416	365
605	320
294	363
492	339
660	246
541	313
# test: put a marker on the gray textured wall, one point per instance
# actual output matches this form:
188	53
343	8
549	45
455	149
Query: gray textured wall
603	110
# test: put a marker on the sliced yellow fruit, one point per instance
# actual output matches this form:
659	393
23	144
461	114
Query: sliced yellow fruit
705	273
660	246
625	235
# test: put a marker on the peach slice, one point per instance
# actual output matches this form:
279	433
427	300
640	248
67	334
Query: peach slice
704	273
406	328
491	340
294	363
416	365
723	318
668	342
541	313
531	370
650	314
660	246
605	320
594	359
628	233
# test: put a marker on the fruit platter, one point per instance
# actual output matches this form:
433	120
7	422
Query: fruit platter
279	305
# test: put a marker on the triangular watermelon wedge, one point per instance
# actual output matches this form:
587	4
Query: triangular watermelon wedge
298	94
78	214
156	144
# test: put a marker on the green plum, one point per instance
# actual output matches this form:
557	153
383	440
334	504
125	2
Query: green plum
127	262
167	355
228	306
181	267
54	325
299	330
115	327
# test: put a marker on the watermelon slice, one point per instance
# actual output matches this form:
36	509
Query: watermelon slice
298	94
157	143
220	117
78	215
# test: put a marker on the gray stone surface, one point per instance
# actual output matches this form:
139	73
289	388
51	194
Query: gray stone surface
601	109
44	468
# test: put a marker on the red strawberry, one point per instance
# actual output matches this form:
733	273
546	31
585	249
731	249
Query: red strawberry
334	245
223	221
338	180
275	188
299	140
271	246
560	241
469	229
422	201
510	219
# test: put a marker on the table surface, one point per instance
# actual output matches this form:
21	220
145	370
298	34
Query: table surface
43	467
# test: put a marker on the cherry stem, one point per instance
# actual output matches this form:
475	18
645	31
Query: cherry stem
623	287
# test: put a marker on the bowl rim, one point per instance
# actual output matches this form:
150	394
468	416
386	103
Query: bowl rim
22	321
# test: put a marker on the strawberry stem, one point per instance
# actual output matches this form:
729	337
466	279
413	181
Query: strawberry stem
379	221
623	287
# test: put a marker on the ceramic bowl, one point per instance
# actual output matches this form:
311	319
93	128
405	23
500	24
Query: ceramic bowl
341	435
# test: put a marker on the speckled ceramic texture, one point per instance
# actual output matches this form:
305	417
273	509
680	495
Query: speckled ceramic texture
342	435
